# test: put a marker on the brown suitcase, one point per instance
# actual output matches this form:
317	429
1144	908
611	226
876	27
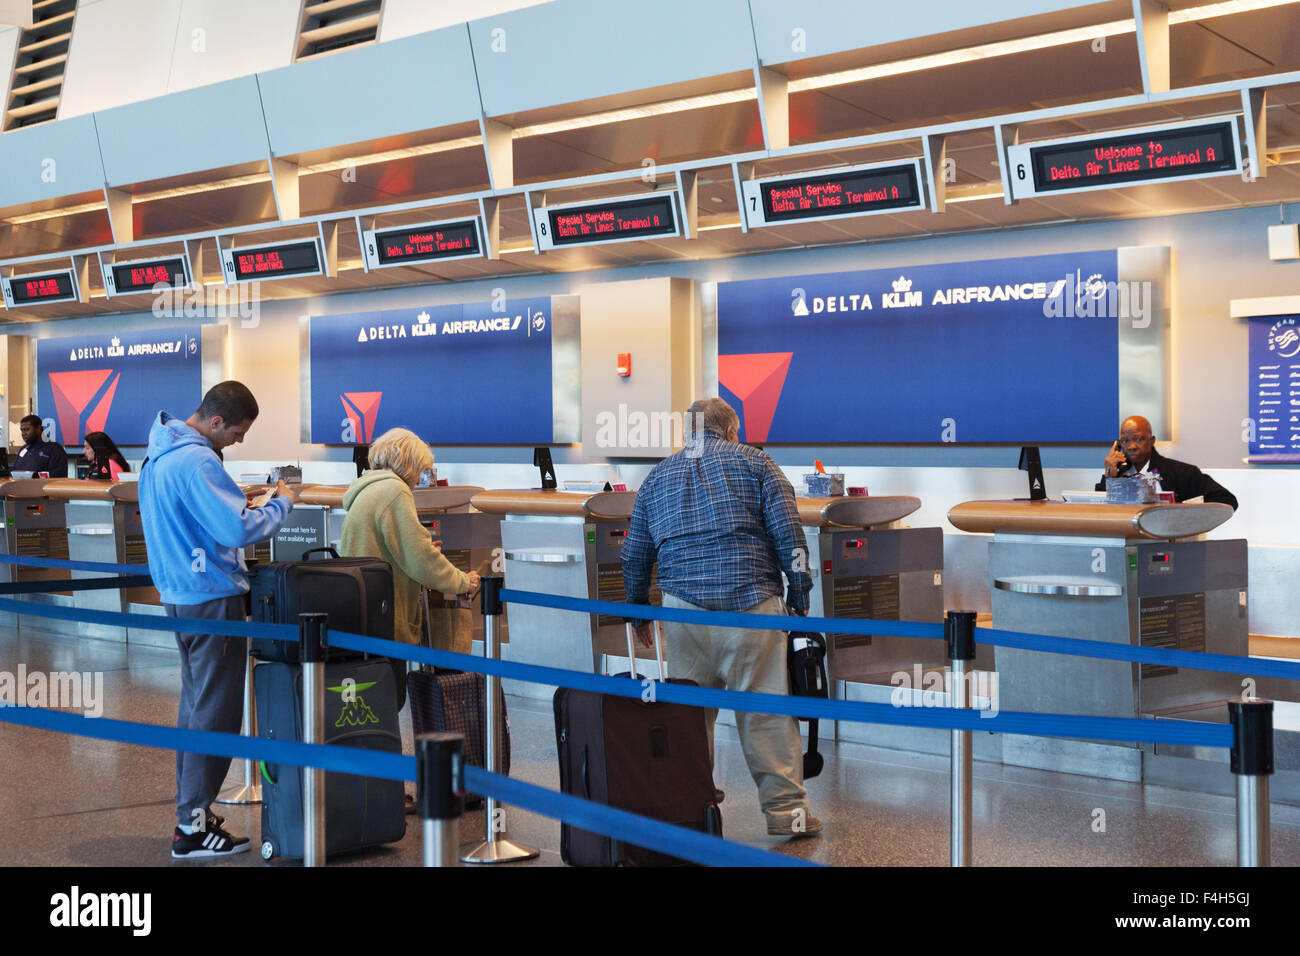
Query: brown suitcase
649	758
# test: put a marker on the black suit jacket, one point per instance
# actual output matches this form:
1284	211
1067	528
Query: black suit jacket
1185	481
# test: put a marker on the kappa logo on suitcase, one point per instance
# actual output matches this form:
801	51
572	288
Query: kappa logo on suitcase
360	711
648	758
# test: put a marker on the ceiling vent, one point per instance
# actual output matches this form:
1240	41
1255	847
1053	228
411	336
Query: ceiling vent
332	25
39	65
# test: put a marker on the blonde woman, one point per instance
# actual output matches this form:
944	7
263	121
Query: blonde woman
382	523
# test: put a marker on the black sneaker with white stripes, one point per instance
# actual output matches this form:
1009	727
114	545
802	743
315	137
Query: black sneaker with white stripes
205	843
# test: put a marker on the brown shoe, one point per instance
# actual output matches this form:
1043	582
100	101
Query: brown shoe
798	824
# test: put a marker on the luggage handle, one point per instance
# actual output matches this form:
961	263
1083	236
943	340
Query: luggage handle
659	652
329	548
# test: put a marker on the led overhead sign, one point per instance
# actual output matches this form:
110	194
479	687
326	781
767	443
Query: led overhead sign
122	278
1125	158
856	191
279	261
58	286
609	220
424	243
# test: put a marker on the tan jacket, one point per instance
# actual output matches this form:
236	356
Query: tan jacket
382	523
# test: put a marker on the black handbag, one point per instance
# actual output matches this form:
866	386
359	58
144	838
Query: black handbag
806	659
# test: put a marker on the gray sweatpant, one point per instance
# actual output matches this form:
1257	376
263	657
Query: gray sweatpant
212	698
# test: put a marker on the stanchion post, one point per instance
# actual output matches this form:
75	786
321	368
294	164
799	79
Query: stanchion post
496	848
440	795
959	636
251	789
311	643
1252	762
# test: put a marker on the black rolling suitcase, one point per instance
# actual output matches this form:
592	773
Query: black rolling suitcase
443	699
649	758
359	811
356	594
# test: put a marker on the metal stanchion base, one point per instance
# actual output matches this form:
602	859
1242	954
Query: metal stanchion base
241	793
499	851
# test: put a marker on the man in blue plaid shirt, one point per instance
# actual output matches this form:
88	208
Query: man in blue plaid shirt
720	519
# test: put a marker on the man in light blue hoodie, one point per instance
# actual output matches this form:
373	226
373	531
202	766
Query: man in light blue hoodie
195	522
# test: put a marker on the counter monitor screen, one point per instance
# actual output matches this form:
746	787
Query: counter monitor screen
877	189
1126	158
441	240
143	276
274	262
613	220
32	290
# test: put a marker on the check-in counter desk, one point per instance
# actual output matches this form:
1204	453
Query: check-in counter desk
468	538
34	527
864	564
1137	574
564	543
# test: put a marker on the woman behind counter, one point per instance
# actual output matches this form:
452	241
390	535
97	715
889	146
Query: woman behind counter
382	523
104	458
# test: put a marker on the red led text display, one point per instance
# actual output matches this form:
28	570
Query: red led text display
143	276
446	240
55	287
866	190
274	262
1120	159
621	219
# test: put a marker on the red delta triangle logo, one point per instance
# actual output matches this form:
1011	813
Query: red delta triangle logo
756	380
362	408
82	400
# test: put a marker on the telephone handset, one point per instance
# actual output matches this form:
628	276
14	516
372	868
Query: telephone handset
1124	465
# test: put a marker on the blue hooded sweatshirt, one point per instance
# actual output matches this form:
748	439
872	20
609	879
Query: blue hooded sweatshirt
195	518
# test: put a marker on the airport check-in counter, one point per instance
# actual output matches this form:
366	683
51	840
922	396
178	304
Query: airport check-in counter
468	538
103	525
34	526
563	543
1138	574
865	565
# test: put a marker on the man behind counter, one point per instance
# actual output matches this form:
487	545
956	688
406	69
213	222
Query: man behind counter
1135	453
39	455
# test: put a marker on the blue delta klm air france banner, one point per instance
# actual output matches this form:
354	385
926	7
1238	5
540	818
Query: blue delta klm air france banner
476	373
1004	350
116	382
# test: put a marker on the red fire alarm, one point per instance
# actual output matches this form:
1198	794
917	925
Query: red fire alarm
624	364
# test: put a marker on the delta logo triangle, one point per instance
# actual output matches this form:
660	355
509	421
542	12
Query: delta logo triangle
82	400
757	381
362	408
361	336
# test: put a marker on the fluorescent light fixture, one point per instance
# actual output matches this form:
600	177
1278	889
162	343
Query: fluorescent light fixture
637	112
730	224
974	193
1042	41
45	214
389	155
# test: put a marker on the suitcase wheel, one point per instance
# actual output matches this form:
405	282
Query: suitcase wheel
268	849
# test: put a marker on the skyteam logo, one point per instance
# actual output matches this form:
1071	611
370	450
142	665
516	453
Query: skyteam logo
1284	338
361	409
82	401
902	297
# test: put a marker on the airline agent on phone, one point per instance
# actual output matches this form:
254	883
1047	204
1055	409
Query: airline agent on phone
1135	453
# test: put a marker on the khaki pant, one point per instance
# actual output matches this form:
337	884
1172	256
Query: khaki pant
751	660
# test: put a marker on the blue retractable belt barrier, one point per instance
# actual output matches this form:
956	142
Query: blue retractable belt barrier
74	565
1127	729
152	622
77	584
1193	660
628	827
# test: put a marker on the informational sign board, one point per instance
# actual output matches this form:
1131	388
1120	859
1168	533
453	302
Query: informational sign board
1273	430
1006	350
117	382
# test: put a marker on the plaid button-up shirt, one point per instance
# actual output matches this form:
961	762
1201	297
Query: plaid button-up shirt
721	520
